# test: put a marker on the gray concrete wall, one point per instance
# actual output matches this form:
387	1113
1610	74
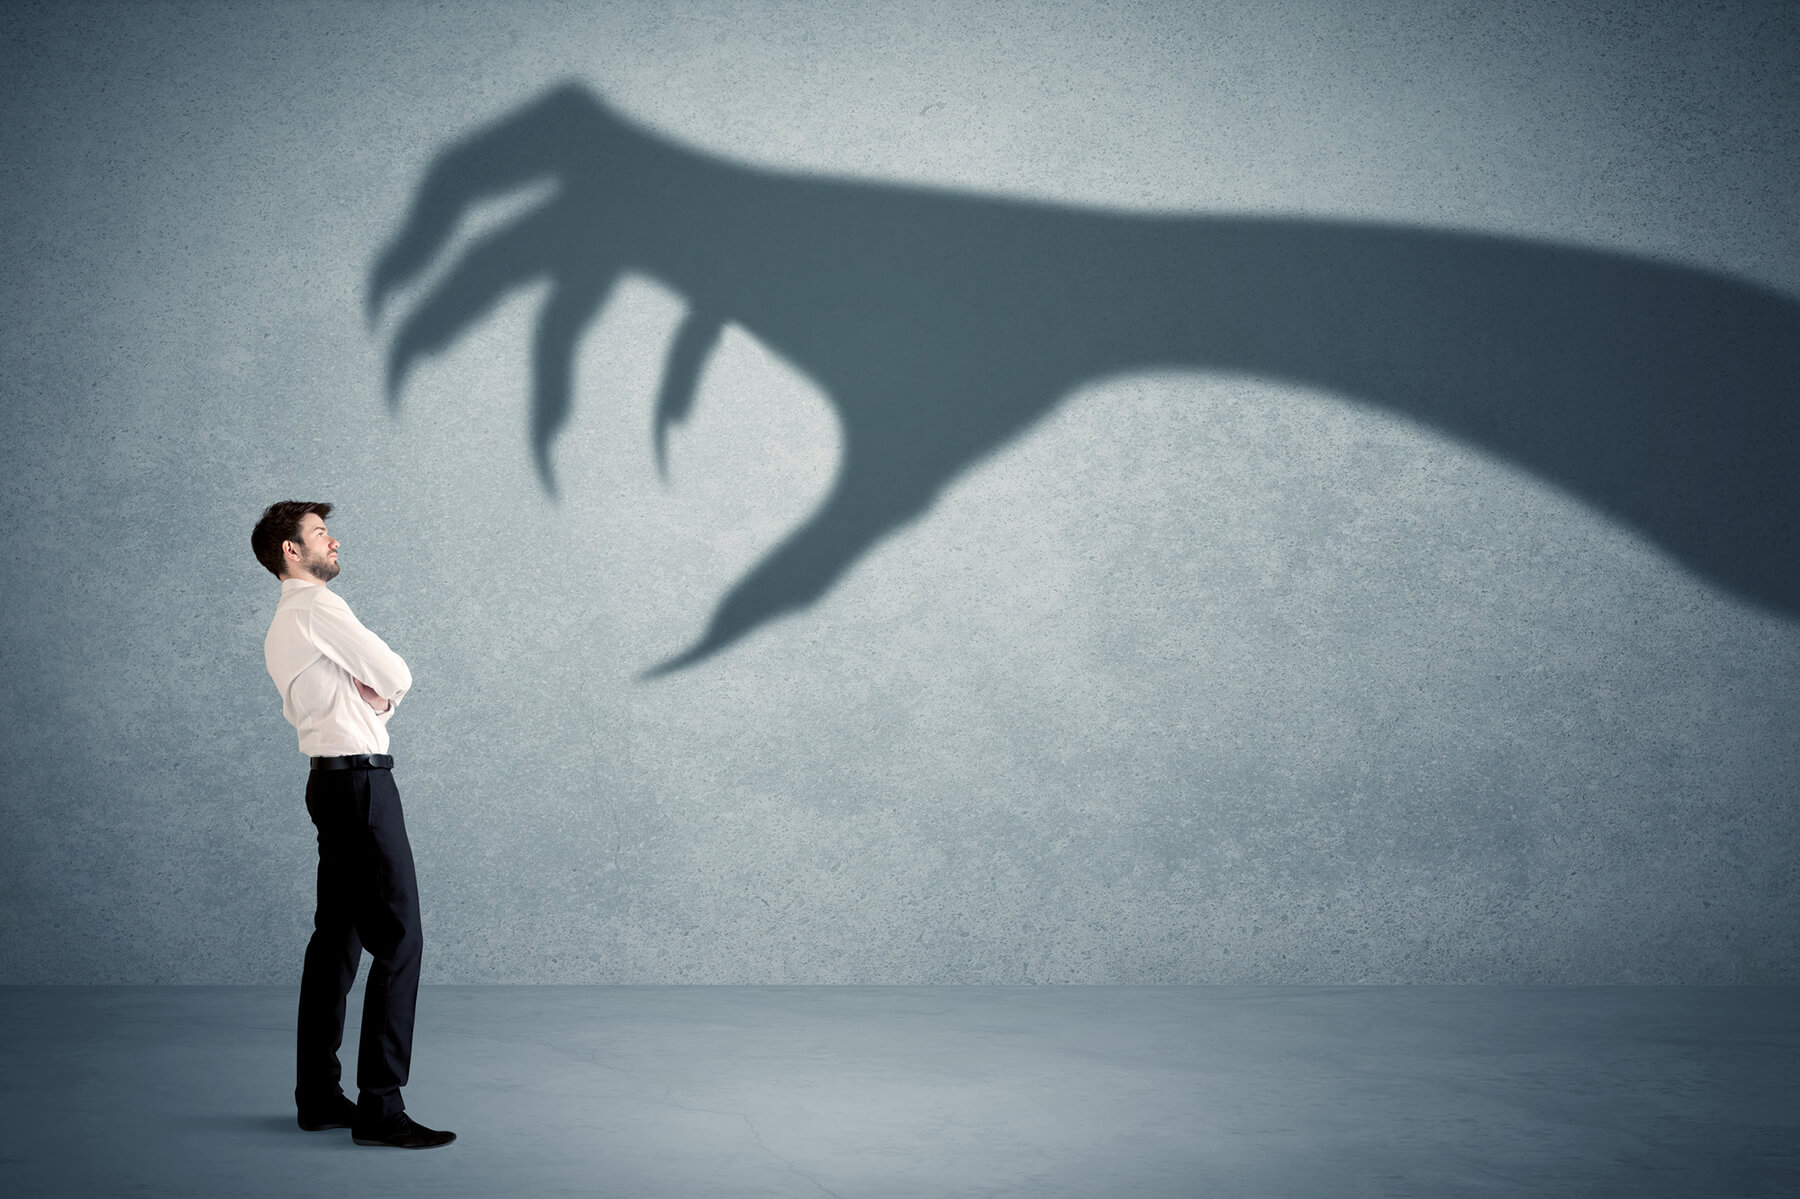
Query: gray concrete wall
1388	634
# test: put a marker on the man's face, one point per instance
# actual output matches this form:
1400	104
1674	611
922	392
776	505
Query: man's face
318	549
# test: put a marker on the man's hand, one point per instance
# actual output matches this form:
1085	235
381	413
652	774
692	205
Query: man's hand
371	696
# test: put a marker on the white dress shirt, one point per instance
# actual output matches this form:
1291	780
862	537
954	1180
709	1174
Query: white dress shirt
315	650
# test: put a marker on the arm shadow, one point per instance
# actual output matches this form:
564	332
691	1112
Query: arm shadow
942	325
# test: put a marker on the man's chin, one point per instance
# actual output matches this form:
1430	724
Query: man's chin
323	571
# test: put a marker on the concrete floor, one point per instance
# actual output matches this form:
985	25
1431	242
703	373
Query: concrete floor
894	1091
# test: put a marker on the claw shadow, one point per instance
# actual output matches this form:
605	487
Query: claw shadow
942	325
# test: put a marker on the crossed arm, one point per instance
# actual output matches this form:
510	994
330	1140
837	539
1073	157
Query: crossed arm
373	698
381	675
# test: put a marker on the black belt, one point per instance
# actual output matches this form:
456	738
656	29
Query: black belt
355	762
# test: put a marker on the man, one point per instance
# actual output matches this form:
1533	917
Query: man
339	684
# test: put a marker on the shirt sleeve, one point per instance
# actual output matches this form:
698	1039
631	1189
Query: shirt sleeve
342	638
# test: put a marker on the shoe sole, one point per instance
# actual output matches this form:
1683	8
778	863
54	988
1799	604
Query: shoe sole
390	1145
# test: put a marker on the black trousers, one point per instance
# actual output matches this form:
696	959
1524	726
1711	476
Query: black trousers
368	899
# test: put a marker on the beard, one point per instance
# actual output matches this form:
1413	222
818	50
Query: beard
321	568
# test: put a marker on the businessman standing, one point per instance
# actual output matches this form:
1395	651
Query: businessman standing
339	684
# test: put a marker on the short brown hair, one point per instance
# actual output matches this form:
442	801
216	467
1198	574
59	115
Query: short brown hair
281	522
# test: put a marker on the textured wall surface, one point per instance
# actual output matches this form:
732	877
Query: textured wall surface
1332	649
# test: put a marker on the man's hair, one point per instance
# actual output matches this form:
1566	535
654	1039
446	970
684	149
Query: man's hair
281	522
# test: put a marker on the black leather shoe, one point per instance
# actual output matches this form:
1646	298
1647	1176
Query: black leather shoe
399	1132
335	1113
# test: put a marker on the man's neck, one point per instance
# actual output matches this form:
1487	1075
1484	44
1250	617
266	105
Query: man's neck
304	579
